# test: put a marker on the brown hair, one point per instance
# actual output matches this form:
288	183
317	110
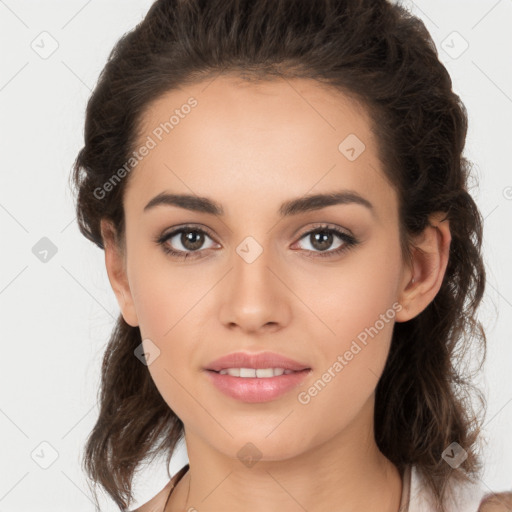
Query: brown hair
383	57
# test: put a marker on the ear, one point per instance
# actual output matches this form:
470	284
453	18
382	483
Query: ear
425	273
115	262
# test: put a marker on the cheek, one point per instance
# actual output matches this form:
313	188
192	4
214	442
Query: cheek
165	295
352	362
353	296
357	307
169	301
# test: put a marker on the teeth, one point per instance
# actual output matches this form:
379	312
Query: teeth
252	372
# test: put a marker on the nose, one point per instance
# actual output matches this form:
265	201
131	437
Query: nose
254	294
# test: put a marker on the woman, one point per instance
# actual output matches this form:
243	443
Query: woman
280	191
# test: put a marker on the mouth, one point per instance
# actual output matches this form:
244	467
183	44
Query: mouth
256	377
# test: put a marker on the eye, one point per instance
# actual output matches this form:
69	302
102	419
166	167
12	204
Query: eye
322	237
190	238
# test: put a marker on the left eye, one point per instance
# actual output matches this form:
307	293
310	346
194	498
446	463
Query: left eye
322	237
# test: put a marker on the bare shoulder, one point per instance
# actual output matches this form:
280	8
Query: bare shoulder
157	502
497	502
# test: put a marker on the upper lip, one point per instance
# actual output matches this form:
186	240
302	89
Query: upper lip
255	360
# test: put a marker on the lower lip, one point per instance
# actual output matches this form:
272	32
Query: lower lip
254	389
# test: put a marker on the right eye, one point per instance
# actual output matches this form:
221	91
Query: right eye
190	238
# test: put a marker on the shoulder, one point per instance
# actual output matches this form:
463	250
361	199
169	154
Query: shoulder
496	502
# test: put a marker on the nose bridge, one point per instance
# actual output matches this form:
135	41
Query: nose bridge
251	266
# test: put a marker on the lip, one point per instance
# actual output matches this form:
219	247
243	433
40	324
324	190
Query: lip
254	389
256	360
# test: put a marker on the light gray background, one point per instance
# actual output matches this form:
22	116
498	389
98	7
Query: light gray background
56	316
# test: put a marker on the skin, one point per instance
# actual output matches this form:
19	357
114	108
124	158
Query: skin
251	147
499	502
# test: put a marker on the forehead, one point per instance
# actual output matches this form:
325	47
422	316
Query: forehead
230	140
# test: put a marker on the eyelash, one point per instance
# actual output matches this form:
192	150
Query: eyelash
349	241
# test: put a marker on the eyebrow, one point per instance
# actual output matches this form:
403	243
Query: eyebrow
288	208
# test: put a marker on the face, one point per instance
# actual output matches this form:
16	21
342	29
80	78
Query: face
318	285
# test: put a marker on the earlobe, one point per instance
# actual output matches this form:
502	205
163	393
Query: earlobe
116	271
423	279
